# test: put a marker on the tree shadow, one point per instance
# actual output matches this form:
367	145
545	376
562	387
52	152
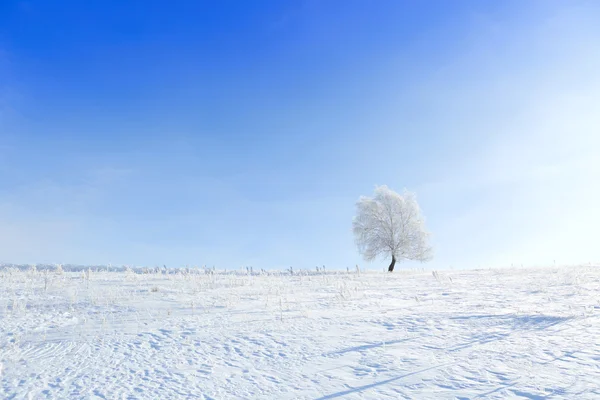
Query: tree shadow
531	322
507	324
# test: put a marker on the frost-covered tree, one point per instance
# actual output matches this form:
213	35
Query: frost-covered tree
390	224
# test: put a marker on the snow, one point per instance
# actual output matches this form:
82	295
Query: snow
517	333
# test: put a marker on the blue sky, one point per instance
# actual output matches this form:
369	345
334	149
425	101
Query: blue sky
242	133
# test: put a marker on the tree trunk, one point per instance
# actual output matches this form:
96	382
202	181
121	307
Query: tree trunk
391	268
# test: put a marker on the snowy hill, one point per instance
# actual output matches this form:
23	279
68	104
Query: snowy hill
518	333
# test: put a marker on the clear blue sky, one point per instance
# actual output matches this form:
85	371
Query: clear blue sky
236	133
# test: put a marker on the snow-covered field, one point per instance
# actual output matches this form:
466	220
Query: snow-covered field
514	333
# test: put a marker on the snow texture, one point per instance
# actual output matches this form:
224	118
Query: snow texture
493	334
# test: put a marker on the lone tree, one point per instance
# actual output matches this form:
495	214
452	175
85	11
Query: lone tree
390	224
